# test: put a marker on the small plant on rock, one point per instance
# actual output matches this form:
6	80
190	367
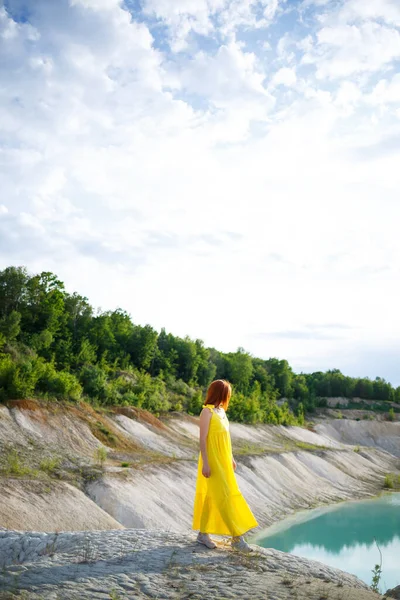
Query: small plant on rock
376	577
388	482
100	455
88	552
15	466
376	573
49	464
390	416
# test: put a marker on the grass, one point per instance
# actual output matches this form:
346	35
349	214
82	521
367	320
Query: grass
249	449
153	457
49	464
50	548
14	465
253	560
106	433
311	447
356	448
87	553
391	481
375	406
100	455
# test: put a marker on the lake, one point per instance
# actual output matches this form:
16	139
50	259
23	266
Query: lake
342	536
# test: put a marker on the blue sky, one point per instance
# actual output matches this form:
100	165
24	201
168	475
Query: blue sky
227	169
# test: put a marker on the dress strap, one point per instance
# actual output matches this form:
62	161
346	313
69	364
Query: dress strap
209	406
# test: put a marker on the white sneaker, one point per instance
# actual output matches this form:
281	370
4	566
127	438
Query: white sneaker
238	543
204	538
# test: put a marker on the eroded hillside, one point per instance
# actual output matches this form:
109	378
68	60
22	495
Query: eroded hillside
77	468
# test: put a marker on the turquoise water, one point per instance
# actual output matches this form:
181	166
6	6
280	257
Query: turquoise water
342	536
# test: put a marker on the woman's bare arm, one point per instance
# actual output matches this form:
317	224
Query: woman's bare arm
205	418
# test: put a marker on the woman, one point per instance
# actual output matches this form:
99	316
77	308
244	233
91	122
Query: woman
219	506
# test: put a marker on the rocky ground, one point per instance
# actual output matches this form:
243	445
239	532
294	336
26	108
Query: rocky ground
139	564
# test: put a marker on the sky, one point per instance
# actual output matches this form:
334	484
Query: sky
226	169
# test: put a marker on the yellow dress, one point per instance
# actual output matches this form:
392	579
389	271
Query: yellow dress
219	506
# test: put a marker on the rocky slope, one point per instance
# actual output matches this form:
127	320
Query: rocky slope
51	480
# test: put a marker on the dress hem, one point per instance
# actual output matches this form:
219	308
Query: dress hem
229	534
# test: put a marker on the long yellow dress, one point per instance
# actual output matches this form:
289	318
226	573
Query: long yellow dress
219	506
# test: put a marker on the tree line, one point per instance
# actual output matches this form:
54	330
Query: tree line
53	344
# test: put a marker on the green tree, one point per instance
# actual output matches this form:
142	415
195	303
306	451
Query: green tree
300	389
142	346
13	287
241	369
283	376
206	370
10	326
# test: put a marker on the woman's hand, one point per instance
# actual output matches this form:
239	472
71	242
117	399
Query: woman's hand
233	464
206	470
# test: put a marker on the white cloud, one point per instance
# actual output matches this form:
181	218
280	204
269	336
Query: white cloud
250	14
284	48
285	76
386	92
306	43
307	3
204	17
106	5
346	50
229	76
184	16
358	10
348	97
354	37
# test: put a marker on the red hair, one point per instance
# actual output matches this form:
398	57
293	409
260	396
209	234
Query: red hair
219	393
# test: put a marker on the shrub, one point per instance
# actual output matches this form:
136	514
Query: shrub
61	385
94	381
6	374
376	577
131	399
49	464
390	416
18	379
100	455
195	404
300	414
388	482
15	466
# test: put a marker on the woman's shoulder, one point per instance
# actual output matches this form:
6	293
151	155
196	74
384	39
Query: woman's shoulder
209	407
